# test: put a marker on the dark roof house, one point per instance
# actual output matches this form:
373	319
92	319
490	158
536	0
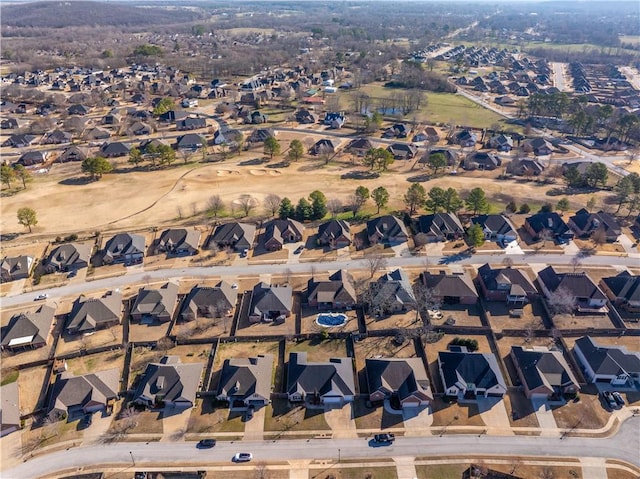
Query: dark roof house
602	363
446	288
623	290
510	285
246	382
270	303
239	236
155	304
169	384
334	233
209	302
178	242
587	224
335	294
387	229
73	396
470	375
67	257
91	314
440	227
15	267
588	298
401	379
125	248
28	330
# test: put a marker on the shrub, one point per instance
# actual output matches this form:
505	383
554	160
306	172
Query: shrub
470	344
524	208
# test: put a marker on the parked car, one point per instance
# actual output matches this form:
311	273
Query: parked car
299	249
609	399
41	297
385	438
242	457
72	273
206	443
618	398
88	419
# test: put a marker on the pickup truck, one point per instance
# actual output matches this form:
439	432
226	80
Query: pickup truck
386	438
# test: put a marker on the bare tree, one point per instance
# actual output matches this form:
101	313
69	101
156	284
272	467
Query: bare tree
561	301
334	205
247	203
546	473
375	262
576	262
507	261
272	203
215	205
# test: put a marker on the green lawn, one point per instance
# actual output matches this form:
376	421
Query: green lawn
11	376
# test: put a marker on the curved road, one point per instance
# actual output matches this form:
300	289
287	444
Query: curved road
624	446
139	276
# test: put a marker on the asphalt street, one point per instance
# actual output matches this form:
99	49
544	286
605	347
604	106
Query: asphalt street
256	269
625	446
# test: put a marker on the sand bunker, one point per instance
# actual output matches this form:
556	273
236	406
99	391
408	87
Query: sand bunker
275	172
262	172
243	198
227	172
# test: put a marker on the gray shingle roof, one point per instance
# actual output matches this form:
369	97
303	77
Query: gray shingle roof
243	377
608	360
404	376
170	379
28	328
334	376
156	301
480	369
220	299
270	298
543	368
89	314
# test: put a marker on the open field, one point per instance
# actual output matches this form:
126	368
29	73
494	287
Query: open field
30	383
96	362
318	350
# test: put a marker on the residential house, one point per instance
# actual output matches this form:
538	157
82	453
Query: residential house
402	151
335	234
139	128
623	290
73	153
28	330
278	232
607	364
73	396
588	298
191	124
501	143
337	293
227	137
399	130
209	302
57	137
259	135
548	226
359	146
456	288
496	228
505	100
68	257
601	224
335	119
402	381
11	123
450	155
482	160
190	141
173	116
169	384
238	236
465	138
246	382
270	303
430	135
306	117
80	110
391	294
469	376
387	229
178	242
31	158
543	373
9	409
111	118
92	314
509	285
155	305
114	149
538	146
327	383
440	227
96	134
525	167
323	146
13	268
19	140
124	248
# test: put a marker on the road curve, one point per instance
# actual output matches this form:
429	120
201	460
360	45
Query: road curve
624	446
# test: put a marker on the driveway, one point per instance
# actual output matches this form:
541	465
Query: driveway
99	426
174	424
405	467
417	421
513	248
571	248
254	427
545	417
341	422
494	415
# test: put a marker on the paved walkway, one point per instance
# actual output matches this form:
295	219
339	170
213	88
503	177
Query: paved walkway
544	414
299	469
593	468
405	467
628	245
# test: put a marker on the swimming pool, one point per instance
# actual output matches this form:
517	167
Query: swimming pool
330	320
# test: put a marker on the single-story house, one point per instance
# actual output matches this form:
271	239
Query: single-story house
68	257
607	364
456	288
496	228
28	330
402	151
246	382
73	153
588	298
623	290
9	409
114	149
403	380
73	396
178	242
169	384
190	141
30	158
359	146
91	314
278	232
550	225
57	137
190	124
391	293
509	285
465	138
538	146
334	233
238	236
501	142
387	229
270	303
543	373
155	305
440	227
13	268
335	294
525	167
328	383
19	140
482	160
209	302
470	376
323	146
587	224
125	248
